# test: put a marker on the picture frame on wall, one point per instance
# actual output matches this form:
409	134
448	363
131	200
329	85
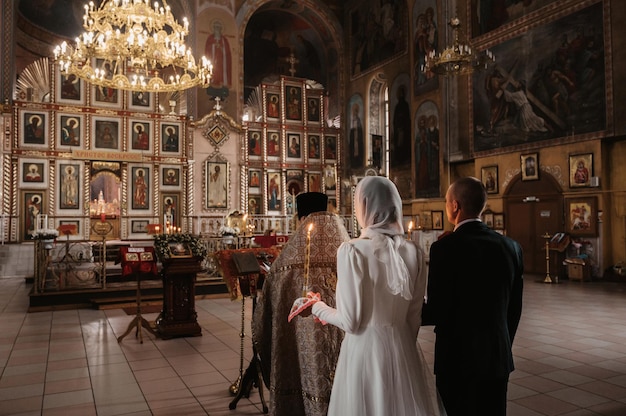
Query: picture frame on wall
170	176
140	136
170	207
313	146
313	109
106	133
330	147
254	178
426	218
255	143
498	221
255	205
437	218
139	226
33	173
489	178
273	105
274	191
273	144
170	138
140	101
140	188
293	102
294	150
488	218
69	186
216	180
71	89
34	128
34	203
105	96
70	131
330	178
530	166
581	216
580	170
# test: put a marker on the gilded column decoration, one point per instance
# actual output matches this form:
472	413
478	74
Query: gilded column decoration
51	191
86	199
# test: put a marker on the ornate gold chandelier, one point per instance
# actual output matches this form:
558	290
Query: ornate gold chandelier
131	45
459	58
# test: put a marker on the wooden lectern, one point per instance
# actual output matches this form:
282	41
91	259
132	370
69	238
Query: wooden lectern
178	317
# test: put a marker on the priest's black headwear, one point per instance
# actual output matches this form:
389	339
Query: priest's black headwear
310	202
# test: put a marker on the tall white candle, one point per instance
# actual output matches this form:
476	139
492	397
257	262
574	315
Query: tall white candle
307	262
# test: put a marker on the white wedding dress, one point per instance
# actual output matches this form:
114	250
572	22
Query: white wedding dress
381	370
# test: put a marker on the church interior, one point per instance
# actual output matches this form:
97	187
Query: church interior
102	155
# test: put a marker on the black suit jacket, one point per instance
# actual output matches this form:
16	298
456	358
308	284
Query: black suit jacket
475	301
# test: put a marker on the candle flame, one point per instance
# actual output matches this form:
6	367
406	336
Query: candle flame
310	227
410	225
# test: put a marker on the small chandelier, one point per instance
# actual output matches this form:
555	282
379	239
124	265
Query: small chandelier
133	46
458	59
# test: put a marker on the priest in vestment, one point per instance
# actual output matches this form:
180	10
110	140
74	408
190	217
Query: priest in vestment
298	358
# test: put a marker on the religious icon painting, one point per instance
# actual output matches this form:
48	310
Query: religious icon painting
33	173
34	128
315	182
105	96
170	138
273	105
273	144
70	89
106	133
330	178
70	130
33	203
254	204
313	109
489	178
293	103
313	146
580	170
254	143
140	136
274	193
217	184
254	178
140	188
140	101
171	210
293	146
170	176
69	186
530	167
330	147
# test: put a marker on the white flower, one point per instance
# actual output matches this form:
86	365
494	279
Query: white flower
46	234
228	231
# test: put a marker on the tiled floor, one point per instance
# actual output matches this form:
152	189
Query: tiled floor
570	356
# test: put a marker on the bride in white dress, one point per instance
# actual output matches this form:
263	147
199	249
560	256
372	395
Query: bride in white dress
380	291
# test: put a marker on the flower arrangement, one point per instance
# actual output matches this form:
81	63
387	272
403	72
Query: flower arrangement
45	234
162	244
228	231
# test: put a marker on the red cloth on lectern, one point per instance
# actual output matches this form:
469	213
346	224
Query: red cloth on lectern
137	260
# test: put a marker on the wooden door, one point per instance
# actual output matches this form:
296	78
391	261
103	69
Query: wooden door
533	209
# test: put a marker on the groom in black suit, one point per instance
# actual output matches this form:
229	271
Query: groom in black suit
475	302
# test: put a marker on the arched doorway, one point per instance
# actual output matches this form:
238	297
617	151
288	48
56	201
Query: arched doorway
532	209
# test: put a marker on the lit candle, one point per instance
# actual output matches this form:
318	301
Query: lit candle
410	228
198	230
103	217
307	262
